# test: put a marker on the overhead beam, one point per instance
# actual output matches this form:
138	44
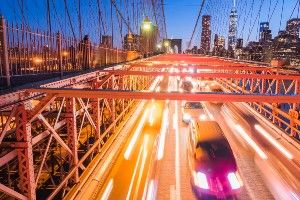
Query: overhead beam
113	94
205	75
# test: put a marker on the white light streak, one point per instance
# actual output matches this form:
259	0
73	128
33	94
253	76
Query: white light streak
136	135
107	190
276	144
251	142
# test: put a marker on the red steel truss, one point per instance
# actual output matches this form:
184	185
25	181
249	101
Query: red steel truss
49	134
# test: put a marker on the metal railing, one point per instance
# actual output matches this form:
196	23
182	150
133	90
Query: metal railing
28	53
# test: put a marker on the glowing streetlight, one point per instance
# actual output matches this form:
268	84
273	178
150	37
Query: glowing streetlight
159	46
147	25
166	43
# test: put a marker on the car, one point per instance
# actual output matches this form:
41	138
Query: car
186	85
193	110
213	168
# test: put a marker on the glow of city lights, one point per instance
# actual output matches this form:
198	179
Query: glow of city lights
251	142
65	53
136	135
37	60
264	133
107	190
162	138
159	46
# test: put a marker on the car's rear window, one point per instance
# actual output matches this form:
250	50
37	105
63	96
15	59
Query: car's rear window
193	105
216	150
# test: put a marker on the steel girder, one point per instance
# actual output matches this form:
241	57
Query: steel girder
51	132
108	94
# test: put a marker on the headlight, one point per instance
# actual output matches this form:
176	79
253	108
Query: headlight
202	117
200	180
186	117
234	180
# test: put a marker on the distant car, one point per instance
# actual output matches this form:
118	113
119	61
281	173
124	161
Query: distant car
186	86
193	110
212	164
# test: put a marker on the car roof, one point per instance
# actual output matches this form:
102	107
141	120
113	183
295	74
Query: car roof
208	131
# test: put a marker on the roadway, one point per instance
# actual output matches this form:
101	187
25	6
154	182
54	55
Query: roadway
153	161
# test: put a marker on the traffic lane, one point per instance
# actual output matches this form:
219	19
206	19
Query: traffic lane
274	168
125	173
254	185
285	168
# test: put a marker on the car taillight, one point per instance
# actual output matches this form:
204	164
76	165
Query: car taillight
234	180
200	180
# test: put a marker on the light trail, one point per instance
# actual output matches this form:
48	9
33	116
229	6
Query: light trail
145	153
151	191
276	144
162	138
251	142
136	135
177	151
146	138
151	115
107	190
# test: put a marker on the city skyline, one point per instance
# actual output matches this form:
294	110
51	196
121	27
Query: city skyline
178	14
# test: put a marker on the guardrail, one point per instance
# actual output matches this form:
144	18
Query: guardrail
29	55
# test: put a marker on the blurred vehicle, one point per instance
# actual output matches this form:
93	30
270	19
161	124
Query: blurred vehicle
186	86
216	88
212	164
193	110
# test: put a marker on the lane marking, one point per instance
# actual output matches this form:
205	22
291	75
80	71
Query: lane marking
107	190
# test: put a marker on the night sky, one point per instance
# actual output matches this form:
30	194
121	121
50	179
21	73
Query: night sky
180	16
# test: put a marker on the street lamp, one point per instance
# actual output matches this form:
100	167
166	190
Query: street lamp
166	43
159	46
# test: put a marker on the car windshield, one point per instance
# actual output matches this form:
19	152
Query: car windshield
193	105
216	150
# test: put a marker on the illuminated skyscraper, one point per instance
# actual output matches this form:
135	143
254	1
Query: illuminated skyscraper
232	36
292	27
205	34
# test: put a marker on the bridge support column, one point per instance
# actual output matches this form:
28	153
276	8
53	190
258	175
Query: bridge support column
4	55
25	155
72	135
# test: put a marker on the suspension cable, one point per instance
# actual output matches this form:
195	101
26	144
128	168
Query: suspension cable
199	14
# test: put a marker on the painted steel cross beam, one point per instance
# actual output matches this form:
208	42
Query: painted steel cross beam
204	75
201	96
